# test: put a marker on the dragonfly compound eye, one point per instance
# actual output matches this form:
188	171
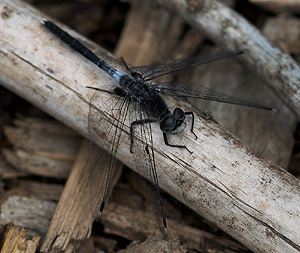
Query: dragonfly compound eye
167	125
178	114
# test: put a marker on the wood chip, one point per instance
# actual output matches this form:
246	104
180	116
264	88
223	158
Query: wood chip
279	5
72	219
15	240
135	224
31	213
284	30
51	157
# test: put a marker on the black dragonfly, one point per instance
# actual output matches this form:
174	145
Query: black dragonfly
140	99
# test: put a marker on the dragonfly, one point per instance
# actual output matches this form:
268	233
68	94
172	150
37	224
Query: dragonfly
137	97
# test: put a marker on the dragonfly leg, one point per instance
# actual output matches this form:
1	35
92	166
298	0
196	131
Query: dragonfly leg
175	146
193	119
125	64
137	122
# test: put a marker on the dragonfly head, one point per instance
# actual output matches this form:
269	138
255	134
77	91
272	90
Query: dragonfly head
173	123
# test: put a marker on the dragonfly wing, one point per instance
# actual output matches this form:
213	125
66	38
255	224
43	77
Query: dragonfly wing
144	157
201	92
157	70
100	162
145	69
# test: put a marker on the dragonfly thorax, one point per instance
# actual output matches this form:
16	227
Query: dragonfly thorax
145	95
136	88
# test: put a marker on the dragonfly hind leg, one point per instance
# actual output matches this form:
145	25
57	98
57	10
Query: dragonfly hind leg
175	146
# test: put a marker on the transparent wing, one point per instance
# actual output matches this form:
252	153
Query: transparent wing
100	162
144	157
201	92
153	71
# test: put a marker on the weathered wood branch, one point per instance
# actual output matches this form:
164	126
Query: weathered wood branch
232	32
224	180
